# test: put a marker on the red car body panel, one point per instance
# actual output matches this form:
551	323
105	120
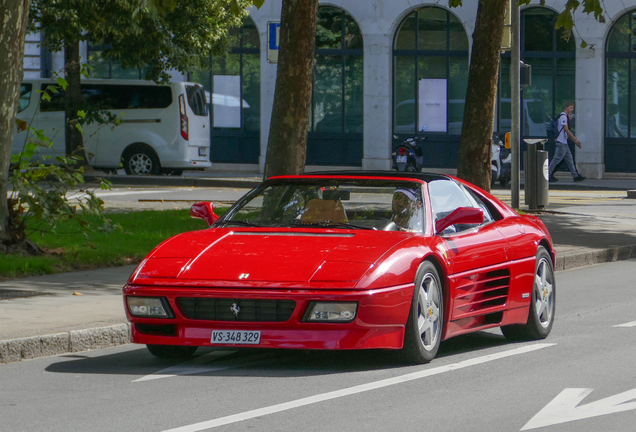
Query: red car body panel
487	274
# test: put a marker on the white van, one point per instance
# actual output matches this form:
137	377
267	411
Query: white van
165	128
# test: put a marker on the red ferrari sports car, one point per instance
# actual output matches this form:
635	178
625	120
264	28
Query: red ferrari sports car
347	260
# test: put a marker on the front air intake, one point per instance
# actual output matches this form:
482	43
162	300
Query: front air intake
222	309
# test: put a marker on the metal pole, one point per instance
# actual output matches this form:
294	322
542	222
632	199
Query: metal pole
515	113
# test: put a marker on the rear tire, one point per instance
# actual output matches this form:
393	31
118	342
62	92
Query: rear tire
172	352
423	333
141	161
542	305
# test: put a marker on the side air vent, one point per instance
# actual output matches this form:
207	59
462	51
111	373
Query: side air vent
221	309
481	293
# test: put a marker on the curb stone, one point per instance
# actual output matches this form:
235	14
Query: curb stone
572	261
14	350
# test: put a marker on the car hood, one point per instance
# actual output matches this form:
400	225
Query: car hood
257	255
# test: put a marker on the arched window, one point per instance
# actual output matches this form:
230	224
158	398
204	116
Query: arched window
233	84
430	75
337	102
620	105
553	62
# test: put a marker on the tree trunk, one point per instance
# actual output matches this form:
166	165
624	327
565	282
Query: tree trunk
12	35
287	142
474	148
73	101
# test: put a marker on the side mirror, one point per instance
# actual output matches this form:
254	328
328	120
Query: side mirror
462	215
205	211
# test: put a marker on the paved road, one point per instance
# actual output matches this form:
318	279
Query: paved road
479	382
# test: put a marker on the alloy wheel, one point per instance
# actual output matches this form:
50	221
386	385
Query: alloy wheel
543	287
428	320
140	164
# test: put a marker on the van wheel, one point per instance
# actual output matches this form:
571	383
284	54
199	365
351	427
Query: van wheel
141	161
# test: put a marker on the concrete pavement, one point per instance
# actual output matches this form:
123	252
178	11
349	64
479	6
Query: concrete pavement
590	222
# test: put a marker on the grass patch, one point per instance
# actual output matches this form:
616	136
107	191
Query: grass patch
71	250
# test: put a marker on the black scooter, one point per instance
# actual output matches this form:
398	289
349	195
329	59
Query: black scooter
409	155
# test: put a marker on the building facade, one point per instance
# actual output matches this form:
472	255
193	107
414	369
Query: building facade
400	68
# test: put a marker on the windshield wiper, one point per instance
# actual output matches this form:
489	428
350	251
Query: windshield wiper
243	222
331	224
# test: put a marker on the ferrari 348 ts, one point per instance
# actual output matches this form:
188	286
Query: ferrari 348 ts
347	260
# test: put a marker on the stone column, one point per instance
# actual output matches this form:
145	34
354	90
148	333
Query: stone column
377	102
269	12
589	108
590	99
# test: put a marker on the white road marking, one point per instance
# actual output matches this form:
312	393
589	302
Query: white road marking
356	389
108	193
629	324
194	366
563	408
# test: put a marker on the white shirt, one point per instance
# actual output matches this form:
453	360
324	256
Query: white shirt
563	135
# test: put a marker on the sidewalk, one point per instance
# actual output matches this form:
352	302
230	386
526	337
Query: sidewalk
590	222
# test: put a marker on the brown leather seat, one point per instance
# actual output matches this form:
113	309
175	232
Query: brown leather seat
319	210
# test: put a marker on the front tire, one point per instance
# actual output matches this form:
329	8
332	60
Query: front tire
172	352
542	306
423	333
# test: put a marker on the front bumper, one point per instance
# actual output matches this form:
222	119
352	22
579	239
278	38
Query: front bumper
379	323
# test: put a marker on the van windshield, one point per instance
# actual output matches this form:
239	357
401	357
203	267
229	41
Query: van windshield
197	100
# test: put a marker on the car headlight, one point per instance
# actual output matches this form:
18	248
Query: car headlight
331	311
149	307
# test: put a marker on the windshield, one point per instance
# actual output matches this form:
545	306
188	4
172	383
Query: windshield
348	204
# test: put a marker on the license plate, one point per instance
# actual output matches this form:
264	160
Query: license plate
401	159
241	337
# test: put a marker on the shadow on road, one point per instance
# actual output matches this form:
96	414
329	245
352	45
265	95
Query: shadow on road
588	231
265	362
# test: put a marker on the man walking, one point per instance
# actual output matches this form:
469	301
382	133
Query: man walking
562	151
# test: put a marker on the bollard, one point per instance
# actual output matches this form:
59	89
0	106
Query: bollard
529	173
536	174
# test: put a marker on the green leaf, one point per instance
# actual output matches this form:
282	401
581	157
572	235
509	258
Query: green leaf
81	114
234	7
61	82
583	44
46	97
259	3
565	20
79	128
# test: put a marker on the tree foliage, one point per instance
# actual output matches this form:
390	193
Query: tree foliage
156	36
44	193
